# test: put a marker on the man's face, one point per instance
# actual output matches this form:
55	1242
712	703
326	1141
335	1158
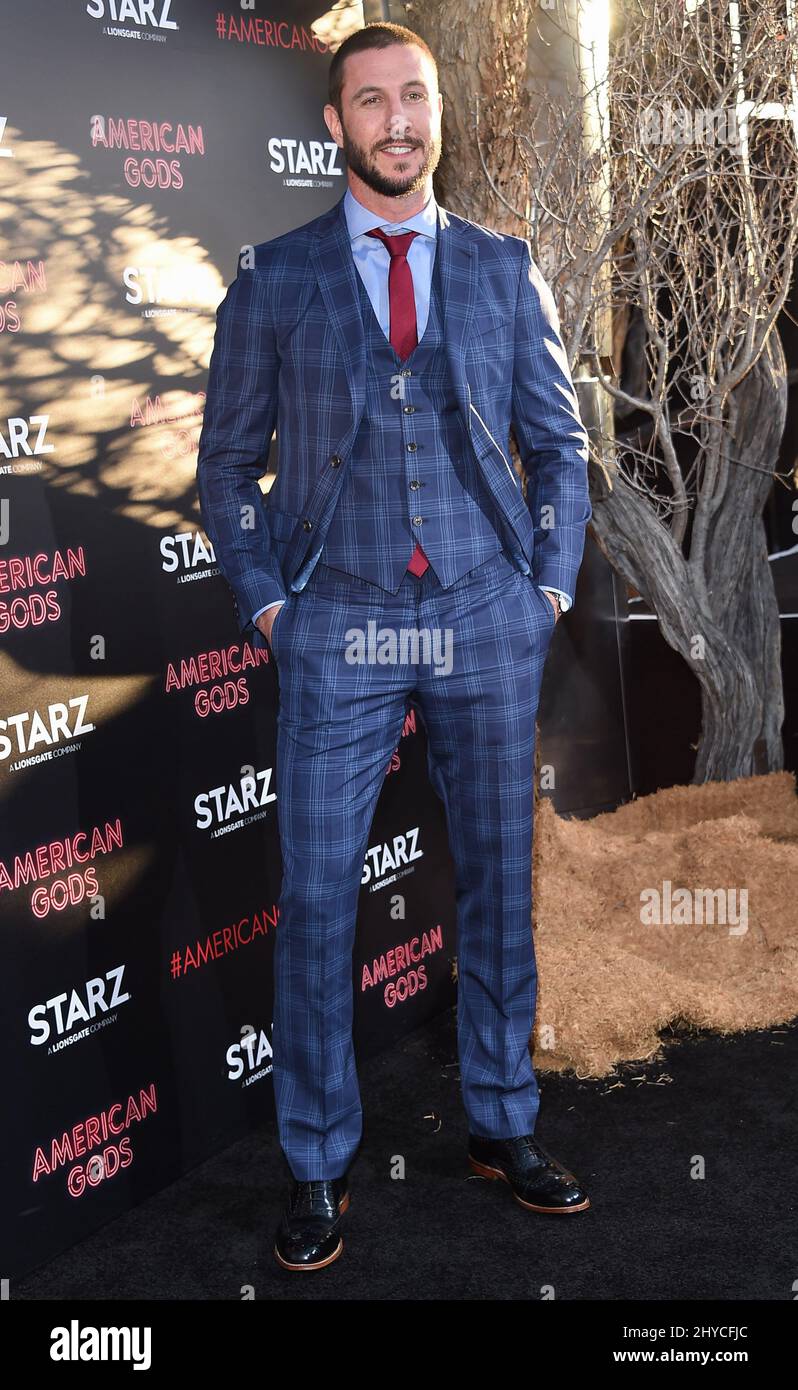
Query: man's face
391	128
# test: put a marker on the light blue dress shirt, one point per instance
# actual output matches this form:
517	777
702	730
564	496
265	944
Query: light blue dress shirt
373	261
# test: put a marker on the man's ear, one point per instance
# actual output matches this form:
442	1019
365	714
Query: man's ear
333	123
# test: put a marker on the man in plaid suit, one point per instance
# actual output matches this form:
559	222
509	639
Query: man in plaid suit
393	345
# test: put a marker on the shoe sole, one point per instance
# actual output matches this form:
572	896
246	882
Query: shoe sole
484	1171
320	1264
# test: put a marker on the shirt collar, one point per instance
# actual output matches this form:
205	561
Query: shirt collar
360	220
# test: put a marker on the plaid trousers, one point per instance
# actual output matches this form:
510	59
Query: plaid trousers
339	721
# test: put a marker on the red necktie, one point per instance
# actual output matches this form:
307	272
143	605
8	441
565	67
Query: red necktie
403	335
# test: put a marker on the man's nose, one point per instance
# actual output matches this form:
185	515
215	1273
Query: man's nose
398	124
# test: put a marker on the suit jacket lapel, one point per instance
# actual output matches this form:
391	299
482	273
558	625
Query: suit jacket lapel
459	266
331	258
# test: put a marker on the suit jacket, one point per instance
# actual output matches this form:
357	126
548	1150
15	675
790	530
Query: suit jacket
289	353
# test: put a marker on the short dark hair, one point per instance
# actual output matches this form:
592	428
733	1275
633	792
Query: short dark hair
378	35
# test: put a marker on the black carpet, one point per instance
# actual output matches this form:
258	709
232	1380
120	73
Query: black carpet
726	1107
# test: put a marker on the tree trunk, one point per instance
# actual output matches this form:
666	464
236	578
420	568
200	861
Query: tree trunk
481	48
723	620
741	742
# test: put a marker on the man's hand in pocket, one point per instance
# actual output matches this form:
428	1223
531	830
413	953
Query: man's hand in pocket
553	600
265	621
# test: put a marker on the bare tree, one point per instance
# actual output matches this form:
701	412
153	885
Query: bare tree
660	195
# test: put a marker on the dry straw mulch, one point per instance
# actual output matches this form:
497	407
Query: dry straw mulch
608	983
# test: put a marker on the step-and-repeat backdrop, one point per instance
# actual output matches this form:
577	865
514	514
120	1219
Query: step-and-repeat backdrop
142	144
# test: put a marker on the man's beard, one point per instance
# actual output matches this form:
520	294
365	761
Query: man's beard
359	161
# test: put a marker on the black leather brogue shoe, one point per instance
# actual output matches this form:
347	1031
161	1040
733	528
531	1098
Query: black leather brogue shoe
308	1236
537	1180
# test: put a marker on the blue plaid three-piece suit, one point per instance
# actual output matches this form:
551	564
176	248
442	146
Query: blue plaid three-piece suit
375	454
